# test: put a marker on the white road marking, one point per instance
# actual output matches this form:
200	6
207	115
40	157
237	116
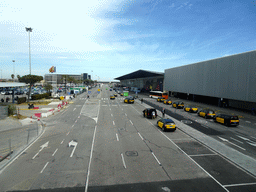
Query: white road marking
131	122
113	122
244	138
114	105
223	139
202	155
111	115
68	132
125	114
240	184
72	143
194	161
44	167
248	121
110	109
140	136
104	105
55	152
123	160
253	137
253	144
62	141
117	137
42	147
204	126
74	109
236	140
156	159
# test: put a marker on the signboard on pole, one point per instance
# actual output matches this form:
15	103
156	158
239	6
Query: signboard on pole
126	93
89	92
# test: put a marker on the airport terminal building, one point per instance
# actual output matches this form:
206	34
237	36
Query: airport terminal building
227	81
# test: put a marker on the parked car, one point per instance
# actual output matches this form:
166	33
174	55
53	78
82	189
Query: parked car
206	113
166	124
112	97
167	101
228	120
160	99
189	108
178	104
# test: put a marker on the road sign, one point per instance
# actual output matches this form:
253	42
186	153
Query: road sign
98	89
126	93
89	92
98	92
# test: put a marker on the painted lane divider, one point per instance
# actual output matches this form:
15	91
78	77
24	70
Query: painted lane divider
55	152
123	160
44	167
42	147
131	122
68	132
156	159
113	122
111	115
62	141
223	139
117	137
74	109
236	140
140	136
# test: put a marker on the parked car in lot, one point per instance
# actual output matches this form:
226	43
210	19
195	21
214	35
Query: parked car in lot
178	104
167	101
192	109
129	99
160	99
228	120
206	113
148	113
112	97
166	124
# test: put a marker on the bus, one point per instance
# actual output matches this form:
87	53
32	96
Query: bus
156	94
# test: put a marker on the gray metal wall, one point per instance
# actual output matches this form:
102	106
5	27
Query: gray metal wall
231	77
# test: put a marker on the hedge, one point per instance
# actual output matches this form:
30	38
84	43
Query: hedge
21	100
40	96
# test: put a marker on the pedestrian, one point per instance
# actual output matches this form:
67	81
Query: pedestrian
141	100
153	114
88	96
2	100
163	112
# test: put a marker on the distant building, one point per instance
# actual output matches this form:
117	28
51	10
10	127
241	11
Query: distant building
84	76
89	77
56	78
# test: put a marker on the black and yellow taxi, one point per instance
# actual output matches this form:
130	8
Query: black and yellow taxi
191	109
206	113
115	95
160	99
178	104
121	94
166	124
112	97
150	113
228	120
167	101
129	99
110	89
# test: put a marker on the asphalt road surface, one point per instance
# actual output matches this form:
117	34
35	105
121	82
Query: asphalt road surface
99	144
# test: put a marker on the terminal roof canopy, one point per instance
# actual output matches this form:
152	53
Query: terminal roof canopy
140	74
7	84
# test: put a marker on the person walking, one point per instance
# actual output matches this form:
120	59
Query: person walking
141	100
163	112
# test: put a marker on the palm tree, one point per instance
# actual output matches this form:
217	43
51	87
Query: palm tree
12	75
65	78
18	76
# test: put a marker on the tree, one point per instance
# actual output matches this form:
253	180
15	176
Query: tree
65	78
48	87
18	76
12	75
71	80
31	80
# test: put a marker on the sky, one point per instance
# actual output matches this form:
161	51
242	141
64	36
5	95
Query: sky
111	38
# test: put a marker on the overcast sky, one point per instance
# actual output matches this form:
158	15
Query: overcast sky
110	38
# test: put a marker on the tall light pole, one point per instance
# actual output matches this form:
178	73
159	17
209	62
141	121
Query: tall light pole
1	74
13	69
29	29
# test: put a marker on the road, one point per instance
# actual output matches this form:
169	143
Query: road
99	144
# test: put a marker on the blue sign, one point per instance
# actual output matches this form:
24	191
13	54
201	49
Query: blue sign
98	92
89	92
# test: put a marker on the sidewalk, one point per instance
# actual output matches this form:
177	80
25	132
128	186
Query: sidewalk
9	123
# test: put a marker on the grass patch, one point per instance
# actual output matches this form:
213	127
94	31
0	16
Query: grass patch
18	116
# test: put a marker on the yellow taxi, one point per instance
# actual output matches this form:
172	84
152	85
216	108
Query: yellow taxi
160	99
166	124
121	94
129	99
227	120
190	109
206	113
167	101
112	97
115	95
178	104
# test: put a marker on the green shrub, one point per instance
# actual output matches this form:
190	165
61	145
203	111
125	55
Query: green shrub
21	100
40	96
11	109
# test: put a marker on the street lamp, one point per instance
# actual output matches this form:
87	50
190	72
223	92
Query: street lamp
29	29
13	69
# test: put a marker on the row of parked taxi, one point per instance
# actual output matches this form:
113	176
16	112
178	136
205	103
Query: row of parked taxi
129	99
228	120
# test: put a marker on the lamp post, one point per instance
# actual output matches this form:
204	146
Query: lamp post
29	29
13	69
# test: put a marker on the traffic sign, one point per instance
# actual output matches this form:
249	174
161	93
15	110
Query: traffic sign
98	89
98	92
89	92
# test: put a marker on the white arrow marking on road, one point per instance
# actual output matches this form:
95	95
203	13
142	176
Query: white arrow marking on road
246	139
74	109
231	143
72	143
42	147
